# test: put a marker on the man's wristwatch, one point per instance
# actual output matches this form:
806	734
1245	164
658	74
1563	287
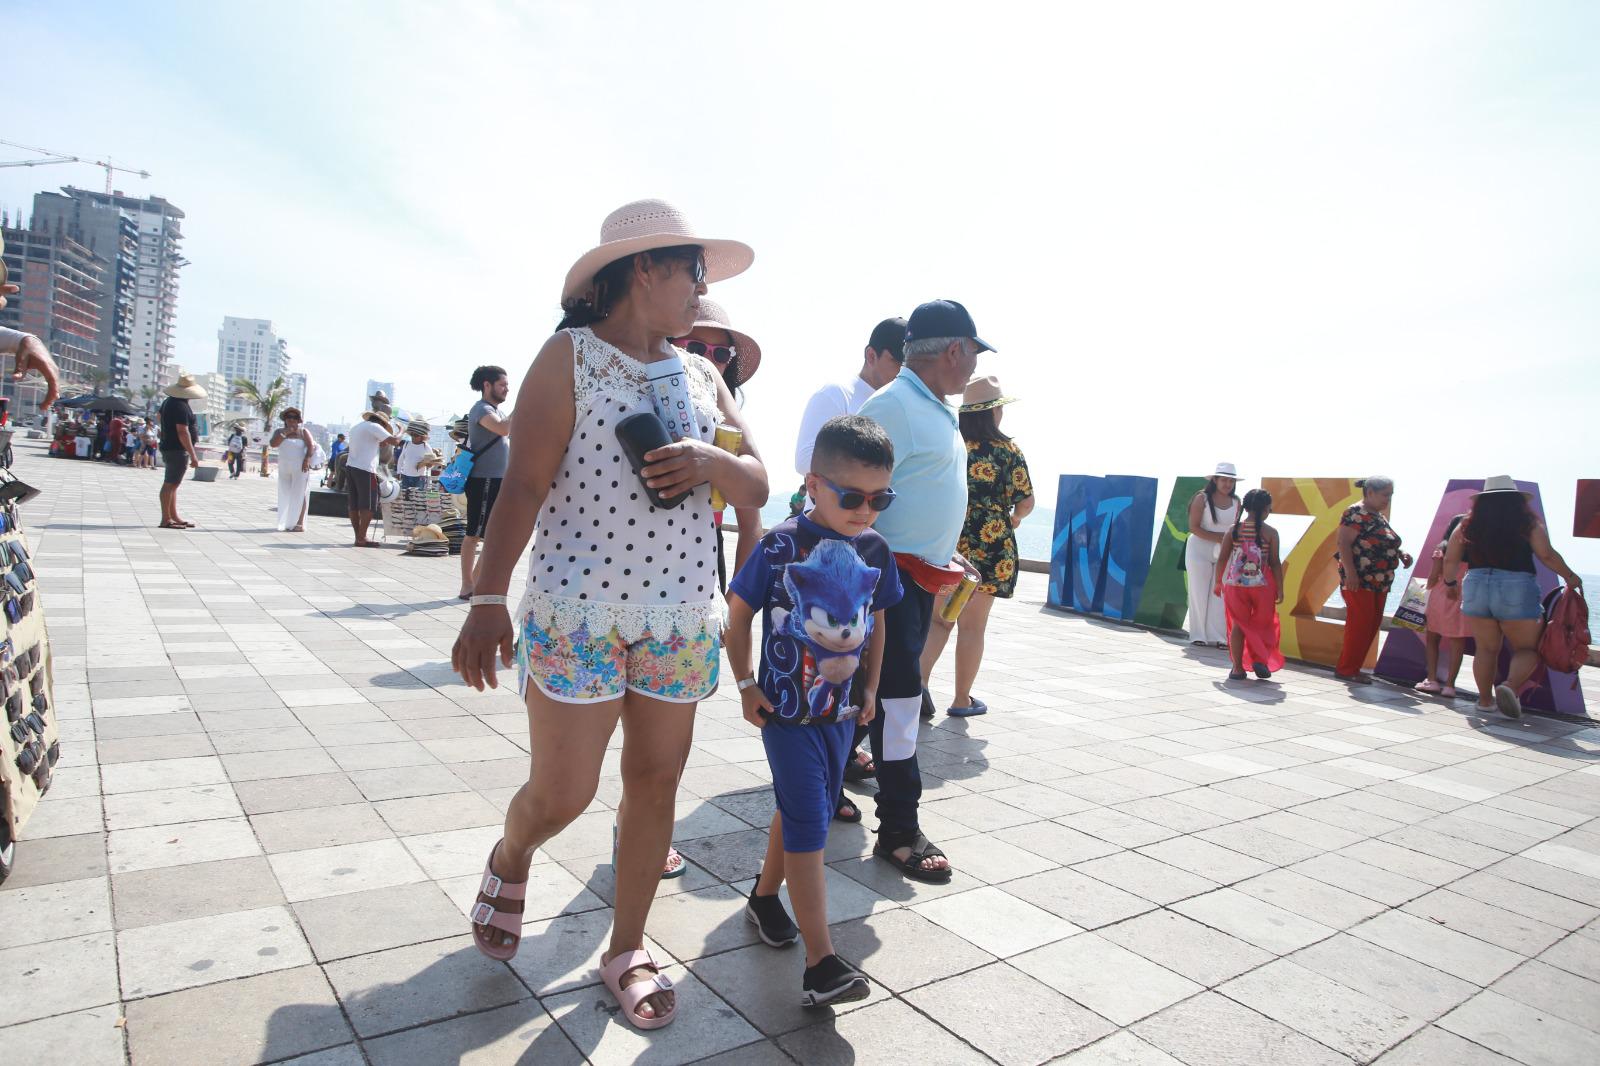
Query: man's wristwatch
748	682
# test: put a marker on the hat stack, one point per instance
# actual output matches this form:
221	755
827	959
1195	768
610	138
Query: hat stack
419	425
455	528
430	541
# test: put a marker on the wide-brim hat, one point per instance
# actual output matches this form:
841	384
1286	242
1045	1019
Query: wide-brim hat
712	316
419	425
185	388
381	419
1226	470
983	394
425	534
1501	483
647	224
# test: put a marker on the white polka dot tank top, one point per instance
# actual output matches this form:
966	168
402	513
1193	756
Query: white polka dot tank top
603	556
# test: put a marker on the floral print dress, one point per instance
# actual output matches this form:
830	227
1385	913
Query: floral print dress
997	480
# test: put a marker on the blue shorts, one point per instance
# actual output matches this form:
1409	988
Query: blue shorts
1504	595
807	764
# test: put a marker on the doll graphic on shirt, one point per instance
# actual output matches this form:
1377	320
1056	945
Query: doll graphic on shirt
832	617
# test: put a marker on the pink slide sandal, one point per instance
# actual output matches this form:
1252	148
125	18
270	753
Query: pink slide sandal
486	917
629	998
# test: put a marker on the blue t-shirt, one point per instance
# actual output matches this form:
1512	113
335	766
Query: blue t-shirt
817	591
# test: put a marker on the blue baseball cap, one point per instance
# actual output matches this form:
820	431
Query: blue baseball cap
943	318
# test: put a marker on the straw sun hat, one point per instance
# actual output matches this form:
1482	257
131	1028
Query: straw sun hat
712	316
646	224
382	420
185	388
983	394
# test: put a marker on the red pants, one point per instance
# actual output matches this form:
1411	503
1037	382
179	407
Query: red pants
1363	617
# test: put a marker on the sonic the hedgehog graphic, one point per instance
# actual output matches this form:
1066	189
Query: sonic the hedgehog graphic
832	595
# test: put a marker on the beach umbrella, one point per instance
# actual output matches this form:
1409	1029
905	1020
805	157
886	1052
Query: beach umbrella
112	404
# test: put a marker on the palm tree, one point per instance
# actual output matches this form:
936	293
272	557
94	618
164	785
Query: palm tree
266	402
97	379
148	394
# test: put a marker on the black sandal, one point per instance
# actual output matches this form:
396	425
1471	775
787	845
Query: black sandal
838	811
921	849
860	767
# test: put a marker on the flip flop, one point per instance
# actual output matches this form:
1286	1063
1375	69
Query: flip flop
971	710
629	998
484	914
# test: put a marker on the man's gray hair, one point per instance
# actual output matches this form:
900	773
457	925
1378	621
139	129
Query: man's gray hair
928	346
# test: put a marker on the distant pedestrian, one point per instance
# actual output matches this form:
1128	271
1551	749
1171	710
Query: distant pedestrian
1369	558
999	497
179	432
236	445
339	447
1250	582
1211	514
295	449
361	480
487	430
1499	541
1448	629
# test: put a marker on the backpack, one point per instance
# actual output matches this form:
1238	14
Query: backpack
1564	640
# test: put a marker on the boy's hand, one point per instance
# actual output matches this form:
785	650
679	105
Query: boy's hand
757	708
869	707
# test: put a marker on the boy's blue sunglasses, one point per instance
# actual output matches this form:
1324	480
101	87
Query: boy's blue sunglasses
850	499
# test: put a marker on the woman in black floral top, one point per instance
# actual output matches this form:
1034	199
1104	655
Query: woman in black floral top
999	496
1369	558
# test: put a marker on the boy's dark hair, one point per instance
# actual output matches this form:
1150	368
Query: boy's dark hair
485	374
852	437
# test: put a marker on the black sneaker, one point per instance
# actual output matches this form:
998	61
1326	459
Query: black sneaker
927	704
833	981
1261	671
766	913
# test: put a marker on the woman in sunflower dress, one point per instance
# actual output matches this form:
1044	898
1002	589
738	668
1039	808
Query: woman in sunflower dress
999	497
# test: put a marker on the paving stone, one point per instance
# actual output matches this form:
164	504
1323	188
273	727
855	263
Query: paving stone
520	1033
166	806
178	844
454	853
141	749
1209	1030
994	861
56	977
164	958
162	774
880	1033
1185	946
346	868
1433	1046
377	919
409	986
81	1038
1079	898
1208	860
901	949
1402	983
995	921
1444	949
54	911
1110	980
401	782
319	827
1340	871
587	1018
1525	936
1146	877
438	814
256	1019
1253	920
1335	1015
1557	992
1529	1035
1310	898
763	984
1008	1015
195	890
1575	955
319	790
1058	843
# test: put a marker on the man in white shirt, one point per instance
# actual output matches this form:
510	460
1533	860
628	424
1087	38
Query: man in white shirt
361	471
879	366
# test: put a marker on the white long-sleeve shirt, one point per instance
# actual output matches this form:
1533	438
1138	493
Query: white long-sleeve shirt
830	401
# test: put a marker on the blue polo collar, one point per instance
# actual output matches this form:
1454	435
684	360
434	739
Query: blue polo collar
921	386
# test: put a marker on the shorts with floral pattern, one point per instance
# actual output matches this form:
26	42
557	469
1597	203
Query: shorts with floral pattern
580	667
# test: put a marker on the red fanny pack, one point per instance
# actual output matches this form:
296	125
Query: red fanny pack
929	578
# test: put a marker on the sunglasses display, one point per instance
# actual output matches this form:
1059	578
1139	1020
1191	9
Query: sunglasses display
29	749
850	499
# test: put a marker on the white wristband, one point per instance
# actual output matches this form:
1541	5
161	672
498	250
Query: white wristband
488	601
746	683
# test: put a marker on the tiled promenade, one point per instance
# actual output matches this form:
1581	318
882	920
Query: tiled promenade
275	799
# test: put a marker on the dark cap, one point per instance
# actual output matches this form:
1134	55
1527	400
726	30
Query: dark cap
943	318
889	336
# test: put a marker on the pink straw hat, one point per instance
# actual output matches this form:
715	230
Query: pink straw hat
713	316
646	224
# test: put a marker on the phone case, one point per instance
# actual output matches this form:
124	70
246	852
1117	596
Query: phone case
640	434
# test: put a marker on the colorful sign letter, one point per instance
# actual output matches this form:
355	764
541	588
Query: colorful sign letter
1100	554
1310	573
1165	601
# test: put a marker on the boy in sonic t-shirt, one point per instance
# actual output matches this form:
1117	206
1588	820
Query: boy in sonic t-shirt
821	580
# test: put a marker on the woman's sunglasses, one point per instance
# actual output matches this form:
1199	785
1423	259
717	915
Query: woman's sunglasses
850	499
721	354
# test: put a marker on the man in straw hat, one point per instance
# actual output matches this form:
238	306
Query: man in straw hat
367	436
930	482
179	430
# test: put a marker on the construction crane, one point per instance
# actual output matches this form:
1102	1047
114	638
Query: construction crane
62	157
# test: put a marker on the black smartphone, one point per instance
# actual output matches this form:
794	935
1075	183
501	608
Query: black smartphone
640	434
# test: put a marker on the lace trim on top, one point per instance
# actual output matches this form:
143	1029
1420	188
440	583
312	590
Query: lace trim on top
563	614
600	368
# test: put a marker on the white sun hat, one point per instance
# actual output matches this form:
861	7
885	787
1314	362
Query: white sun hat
647	224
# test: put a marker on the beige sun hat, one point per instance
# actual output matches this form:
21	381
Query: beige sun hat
185	388
382	420
428	533
646	224
712	316
983	394
1501	484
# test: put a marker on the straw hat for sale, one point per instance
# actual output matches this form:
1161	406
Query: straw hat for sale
382	420
647	224
185	388
1500	484
429	533
712	316
419	426
983	394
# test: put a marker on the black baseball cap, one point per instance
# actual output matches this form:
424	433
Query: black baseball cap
889	336
944	318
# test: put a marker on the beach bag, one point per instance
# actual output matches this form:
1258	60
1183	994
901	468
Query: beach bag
454	478
319	458
1564	642
1413	610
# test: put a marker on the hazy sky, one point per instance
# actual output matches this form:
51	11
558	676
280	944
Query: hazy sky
1312	239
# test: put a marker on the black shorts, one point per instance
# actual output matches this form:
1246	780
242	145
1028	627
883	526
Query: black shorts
362	488
481	494
177	465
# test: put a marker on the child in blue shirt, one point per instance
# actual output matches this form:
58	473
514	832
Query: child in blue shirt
821	581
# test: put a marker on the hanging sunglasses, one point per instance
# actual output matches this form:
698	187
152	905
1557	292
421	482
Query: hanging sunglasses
721	354
22	726
28	660
14	580
29	757
36	685
850	499
13	608
7	651
15	706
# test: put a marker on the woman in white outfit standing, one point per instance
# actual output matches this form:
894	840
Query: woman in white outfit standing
1211	515
294	446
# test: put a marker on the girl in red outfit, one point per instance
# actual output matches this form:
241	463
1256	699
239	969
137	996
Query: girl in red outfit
1251	587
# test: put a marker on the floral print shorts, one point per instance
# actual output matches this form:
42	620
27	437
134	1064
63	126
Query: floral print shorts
580	667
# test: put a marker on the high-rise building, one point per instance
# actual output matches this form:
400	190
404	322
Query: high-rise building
297	391
213	410
60	282
138	238
387	387
250	349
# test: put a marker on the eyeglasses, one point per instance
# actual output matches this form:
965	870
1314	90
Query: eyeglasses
34	762
721	354
850	499
22	726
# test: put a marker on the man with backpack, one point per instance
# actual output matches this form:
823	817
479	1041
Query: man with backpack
487	430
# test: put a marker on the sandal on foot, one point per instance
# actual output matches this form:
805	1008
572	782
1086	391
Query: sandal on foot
921	849
1261	671
1235	675
971	710
1506	700
1448	692
845	803
484	915
860	767
833	980
1429	687
631	997
675	866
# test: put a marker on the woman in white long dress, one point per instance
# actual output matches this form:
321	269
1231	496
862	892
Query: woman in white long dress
295	447
1211	515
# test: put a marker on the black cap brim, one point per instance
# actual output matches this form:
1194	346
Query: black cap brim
983	345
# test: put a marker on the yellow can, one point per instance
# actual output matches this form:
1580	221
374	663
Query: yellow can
958	597
729	440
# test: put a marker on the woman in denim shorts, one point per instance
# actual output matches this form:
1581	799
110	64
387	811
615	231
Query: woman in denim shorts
1500	594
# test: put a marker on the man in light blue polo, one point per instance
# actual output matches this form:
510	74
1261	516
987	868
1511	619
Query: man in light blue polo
930	484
